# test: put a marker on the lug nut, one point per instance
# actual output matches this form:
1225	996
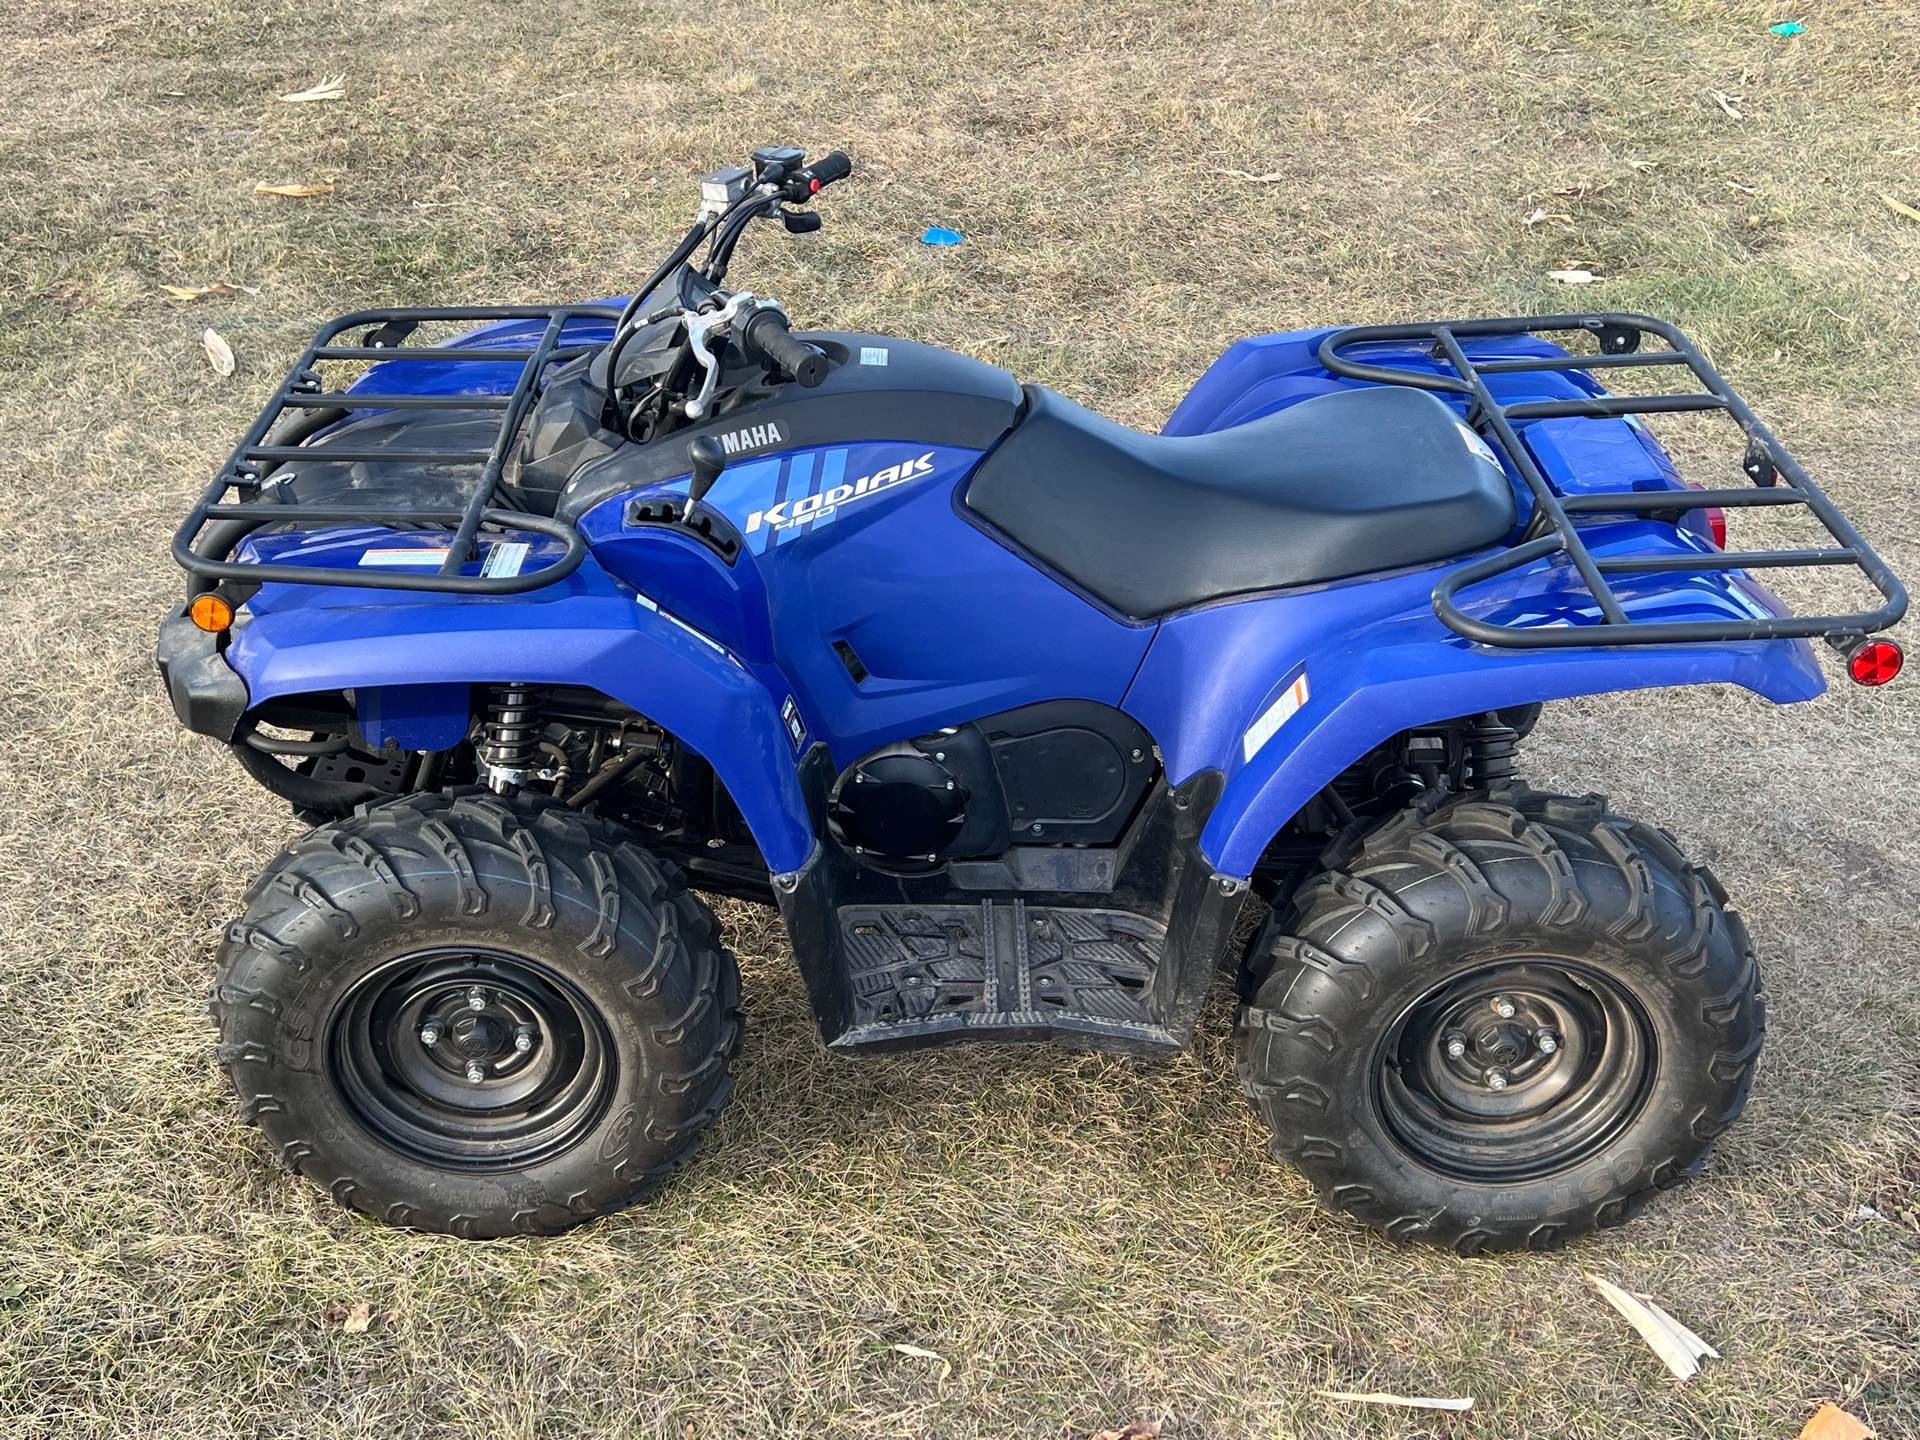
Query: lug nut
1496	1079
476	1072
429	1034
477	999
523	1039
1503	1007
1456	1046
1547	1042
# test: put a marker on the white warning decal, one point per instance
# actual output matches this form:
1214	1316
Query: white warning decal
408	556
505	558
1476	444
1274	716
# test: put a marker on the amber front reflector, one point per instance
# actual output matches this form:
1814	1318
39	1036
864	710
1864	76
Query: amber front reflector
211	613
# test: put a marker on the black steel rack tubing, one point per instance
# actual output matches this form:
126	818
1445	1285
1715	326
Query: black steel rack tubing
256	454
1552	529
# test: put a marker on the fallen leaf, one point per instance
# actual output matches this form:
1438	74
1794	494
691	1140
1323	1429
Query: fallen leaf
1540	217
1830	1422
1721	99
1405	1402
920	1352
219	287
359	1319
1678	1347
1573	277
219	353
295	192
1133	1430
334	87
1271	178
1900	208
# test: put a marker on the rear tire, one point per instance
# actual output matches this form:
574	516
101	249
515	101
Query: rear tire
1576	955
460	1014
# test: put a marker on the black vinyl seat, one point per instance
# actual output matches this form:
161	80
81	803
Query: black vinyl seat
1339	485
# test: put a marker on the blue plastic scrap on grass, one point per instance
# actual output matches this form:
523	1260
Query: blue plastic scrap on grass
935	235
1786	29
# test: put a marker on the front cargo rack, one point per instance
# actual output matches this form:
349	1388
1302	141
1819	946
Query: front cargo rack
216	524
1553	527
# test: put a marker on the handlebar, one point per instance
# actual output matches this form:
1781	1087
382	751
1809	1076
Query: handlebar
825	171
765	337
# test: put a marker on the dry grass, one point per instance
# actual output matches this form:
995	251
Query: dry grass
1085	1240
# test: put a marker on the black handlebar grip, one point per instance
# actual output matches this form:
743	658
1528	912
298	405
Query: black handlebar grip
809	182
836	165
767	337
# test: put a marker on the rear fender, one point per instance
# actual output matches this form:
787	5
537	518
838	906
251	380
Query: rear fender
1222	688
408	655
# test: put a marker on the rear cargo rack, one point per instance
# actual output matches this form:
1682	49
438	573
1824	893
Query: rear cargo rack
204	553
1554	528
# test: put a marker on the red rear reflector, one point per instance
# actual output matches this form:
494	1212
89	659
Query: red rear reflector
813	187
1875	662
1717	524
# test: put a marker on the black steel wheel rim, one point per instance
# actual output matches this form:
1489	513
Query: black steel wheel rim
1516	1069
472	1059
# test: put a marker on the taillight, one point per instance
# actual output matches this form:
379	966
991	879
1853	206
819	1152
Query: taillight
1716	519
1874	662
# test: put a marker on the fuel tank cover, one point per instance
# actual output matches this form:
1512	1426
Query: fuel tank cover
880	387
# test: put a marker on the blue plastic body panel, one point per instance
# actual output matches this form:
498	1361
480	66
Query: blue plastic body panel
866	546
586	630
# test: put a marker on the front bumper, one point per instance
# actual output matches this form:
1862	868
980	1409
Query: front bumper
207	695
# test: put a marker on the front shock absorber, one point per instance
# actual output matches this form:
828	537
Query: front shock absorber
509	746
1491	747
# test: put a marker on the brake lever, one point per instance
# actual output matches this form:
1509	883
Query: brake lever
700	327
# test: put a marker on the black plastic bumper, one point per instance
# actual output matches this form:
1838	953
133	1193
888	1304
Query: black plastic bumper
207	695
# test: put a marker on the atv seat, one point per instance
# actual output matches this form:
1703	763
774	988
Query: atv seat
1339	485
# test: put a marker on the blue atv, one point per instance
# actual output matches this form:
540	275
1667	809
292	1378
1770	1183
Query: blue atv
550	618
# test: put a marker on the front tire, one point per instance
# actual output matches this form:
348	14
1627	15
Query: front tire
460	1014
1500	1021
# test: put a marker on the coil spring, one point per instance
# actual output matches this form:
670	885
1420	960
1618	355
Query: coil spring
1491	748
510	742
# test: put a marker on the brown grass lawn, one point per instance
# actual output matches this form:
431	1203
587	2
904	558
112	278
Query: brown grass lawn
1084	1240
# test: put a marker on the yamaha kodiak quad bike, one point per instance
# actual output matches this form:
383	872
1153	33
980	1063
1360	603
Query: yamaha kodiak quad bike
551	618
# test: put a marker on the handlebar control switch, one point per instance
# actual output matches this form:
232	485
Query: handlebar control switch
787	158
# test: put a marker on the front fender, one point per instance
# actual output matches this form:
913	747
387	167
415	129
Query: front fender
587	630
1376	661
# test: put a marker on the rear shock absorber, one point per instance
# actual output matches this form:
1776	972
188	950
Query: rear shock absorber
1491	747
510	741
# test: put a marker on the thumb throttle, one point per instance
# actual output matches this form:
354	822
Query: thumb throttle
765	337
